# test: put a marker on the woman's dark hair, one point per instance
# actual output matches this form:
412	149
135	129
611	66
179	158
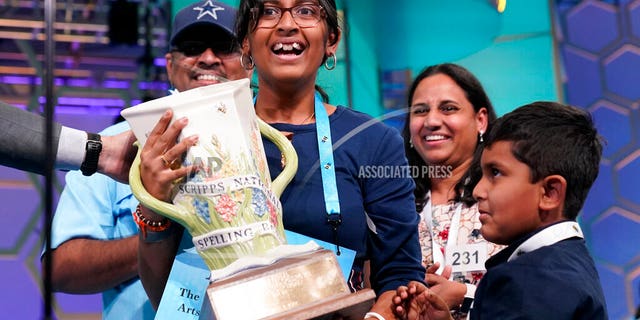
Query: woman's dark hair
478	98
246	22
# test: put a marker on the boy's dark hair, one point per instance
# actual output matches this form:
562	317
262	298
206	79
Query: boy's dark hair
478	98
552	138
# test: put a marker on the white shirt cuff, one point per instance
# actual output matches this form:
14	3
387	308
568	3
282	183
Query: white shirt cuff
71	149
471	291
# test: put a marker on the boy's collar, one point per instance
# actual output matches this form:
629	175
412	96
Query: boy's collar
545	236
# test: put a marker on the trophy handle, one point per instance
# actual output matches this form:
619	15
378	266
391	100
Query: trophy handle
182	215
290	155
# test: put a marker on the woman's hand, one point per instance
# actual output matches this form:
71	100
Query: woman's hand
160	159
452	292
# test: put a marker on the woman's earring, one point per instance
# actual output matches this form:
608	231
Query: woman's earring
411	143
327	65
464	186
481	137
247	66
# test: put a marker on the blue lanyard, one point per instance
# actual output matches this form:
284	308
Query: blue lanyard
327	169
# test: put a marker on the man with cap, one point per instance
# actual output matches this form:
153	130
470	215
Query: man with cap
94	237
204	49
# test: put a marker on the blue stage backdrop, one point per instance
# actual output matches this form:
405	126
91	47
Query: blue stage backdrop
599	49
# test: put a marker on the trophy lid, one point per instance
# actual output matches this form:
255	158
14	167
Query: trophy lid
143	117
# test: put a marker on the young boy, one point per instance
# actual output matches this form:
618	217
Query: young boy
538	164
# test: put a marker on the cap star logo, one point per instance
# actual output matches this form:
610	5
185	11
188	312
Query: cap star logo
208	9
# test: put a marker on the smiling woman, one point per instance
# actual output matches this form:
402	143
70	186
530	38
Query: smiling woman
287	42
448	113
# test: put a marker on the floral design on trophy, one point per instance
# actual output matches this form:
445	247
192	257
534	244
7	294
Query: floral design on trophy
231	208
228	203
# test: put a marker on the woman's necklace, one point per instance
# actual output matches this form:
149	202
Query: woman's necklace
308	118
289	136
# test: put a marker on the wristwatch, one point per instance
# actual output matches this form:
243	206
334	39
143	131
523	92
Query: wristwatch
92	153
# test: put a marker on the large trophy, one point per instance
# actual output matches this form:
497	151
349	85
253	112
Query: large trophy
231	208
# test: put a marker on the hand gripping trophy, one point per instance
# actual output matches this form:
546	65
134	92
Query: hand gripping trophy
230	207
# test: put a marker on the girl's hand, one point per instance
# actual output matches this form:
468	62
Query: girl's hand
160	159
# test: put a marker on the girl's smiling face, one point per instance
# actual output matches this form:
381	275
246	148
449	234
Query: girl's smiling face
286	51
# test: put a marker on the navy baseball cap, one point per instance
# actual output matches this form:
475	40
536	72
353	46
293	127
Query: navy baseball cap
204	13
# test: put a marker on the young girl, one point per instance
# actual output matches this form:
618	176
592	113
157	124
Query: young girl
286	42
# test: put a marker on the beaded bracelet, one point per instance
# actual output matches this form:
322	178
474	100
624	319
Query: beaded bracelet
152	231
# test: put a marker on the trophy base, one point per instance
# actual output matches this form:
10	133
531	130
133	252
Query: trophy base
347	306
307	286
